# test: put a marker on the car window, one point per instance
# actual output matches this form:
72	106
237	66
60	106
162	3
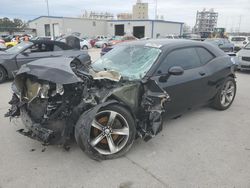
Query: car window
187	58
205	55
42	47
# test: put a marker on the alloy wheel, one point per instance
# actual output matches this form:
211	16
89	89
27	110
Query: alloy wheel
227	93
109	132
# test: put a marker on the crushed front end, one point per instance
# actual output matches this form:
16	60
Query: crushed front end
51	100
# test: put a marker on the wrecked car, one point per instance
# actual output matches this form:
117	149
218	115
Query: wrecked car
122	96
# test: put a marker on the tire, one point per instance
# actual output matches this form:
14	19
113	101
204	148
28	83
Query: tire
3	75
85	47
104	45
100	142
226	94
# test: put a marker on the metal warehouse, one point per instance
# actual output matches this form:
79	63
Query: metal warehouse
55	26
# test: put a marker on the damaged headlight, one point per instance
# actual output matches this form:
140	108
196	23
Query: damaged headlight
59	90
32	90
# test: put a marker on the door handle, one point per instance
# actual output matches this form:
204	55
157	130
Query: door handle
202	73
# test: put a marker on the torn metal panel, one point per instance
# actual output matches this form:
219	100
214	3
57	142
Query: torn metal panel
154	103
51	98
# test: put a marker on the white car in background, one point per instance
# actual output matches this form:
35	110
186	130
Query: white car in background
239	41
244	58
85	45
102	43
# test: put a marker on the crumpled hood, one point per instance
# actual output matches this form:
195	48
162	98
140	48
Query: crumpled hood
57	70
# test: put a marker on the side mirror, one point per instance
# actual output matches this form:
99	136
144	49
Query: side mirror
176	70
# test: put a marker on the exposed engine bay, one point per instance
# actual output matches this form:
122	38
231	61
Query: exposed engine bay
50	100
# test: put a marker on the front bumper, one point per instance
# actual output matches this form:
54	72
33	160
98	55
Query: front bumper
244	65
35	130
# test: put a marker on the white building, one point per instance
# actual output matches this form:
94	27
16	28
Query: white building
55	26
144	28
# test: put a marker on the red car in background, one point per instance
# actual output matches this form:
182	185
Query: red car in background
2	41
99	37
117	40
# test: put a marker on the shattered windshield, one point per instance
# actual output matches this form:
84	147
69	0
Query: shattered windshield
19	47
132	62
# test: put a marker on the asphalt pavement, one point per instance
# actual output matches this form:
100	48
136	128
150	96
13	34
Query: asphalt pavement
203	148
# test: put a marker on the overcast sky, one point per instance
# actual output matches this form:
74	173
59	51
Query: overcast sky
230	11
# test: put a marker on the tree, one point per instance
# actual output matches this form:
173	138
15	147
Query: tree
186	28
11	25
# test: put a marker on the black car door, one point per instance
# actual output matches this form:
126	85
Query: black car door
37	51
186	90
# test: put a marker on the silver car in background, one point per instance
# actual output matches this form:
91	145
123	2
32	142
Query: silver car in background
244	58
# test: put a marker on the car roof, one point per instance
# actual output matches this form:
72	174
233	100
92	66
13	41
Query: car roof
162	42
168	44
46	42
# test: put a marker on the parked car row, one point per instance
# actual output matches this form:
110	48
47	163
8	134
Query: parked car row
13	58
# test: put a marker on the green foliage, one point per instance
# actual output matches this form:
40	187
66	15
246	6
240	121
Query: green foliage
10	26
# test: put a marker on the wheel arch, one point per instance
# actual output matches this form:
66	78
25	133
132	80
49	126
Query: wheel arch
122	104
4	68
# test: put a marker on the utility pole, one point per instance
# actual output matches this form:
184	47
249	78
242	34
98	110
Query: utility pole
240	23
156	9
47	1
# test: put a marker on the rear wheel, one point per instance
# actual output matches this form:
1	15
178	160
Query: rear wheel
111	133
104	45
3	74
85	47
226	95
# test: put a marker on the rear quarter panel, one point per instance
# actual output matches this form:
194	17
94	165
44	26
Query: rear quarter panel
218	70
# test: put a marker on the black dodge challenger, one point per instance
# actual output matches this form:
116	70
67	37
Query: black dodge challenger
122	96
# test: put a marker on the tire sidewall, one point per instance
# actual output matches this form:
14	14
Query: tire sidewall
218	97
82	134
85	48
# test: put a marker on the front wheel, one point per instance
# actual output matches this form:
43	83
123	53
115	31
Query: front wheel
111	133
225	96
